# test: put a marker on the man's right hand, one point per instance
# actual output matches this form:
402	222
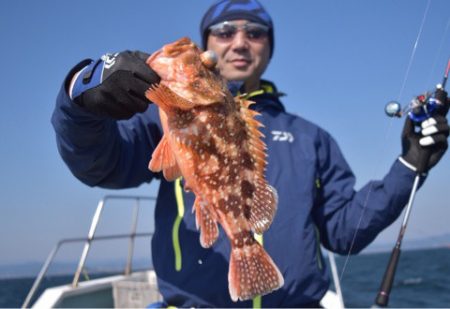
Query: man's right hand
114	85
423	149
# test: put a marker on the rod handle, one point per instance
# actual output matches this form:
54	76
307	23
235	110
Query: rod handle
382	298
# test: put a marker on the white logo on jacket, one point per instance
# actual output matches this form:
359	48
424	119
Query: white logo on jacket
282	136
109	59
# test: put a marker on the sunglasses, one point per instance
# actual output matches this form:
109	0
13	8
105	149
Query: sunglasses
226	31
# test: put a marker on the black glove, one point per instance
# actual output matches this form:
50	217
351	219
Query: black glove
423	150
115	85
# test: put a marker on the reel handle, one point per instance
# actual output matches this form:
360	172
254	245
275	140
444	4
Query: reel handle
440	108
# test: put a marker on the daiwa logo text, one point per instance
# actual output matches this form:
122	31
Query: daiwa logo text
109	60
282	136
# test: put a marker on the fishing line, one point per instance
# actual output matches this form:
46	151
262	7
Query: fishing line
366	200
411	58
441	45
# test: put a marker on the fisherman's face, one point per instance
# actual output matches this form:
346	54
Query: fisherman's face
242	55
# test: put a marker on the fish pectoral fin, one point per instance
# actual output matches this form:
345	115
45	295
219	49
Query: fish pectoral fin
252	272
205	222
166	99
163	159
171	173
264	207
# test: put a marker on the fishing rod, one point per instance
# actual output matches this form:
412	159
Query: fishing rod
420	108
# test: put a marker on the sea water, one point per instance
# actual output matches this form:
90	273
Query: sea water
422	280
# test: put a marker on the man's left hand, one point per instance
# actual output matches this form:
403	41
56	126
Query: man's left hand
430	142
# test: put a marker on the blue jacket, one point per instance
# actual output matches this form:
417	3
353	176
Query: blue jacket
317	201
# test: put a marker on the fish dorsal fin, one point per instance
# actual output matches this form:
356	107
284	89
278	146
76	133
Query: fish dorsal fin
257	146
166	99
163	159
264	197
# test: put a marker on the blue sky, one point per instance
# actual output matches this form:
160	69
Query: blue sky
338	61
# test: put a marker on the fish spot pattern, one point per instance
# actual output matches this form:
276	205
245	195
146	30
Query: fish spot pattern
244	238
247	189
182	120
247	161
232	204
247	211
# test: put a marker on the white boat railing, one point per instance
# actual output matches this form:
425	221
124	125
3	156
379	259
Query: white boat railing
132	235
90	238
335	276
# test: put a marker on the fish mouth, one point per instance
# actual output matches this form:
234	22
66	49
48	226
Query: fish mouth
173	50
153	56
178	47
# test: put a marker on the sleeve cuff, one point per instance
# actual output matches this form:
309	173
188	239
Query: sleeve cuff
74	71
408	165
66	105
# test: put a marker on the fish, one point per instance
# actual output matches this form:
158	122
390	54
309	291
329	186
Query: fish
213	141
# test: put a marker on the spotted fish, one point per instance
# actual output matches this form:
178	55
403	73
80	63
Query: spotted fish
213	141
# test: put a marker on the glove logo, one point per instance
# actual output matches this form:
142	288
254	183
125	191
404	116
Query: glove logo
282	136
109	60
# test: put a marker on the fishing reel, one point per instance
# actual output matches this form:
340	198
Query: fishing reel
423	106
420	108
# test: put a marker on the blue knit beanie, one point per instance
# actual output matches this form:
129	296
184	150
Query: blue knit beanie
224	10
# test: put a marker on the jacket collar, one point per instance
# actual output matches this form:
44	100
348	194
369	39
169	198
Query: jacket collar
267	96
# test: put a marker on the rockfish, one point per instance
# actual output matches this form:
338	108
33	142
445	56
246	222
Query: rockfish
213	141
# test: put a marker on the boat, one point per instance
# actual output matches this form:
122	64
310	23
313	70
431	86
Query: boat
132	288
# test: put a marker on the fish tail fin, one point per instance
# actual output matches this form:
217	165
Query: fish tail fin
252	272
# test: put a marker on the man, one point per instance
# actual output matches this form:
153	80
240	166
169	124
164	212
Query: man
106	133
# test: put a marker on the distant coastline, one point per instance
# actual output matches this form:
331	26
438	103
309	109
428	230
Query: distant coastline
432	242
31	269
